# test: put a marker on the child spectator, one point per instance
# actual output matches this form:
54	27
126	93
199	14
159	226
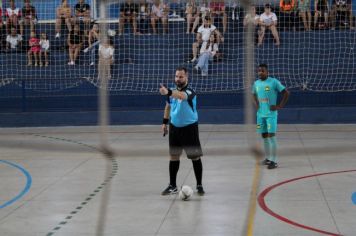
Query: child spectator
207	52
44	43
268	20
13	41
34	50
106	56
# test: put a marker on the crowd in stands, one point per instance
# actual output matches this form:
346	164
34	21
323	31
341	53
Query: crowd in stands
142	17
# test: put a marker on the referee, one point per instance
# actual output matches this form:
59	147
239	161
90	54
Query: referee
181	113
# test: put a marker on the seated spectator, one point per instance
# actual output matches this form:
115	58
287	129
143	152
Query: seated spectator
304	13
34	49
287	14
268	20
344	9
207	52
14	41
128	13
12	14
321	10
63	14
44	43
202	10
191	14
159	12
203	35
29	17
176	8
75	41
217	8
82	14
143	15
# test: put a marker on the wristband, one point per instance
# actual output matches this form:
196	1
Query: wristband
165	121
169	92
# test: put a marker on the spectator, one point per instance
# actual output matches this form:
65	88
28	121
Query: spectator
1	30
176	8
34	50
159	12
143	15
268	20
82	14
12	14
251	17
342	8
63	14
287	14
321	10
106	56
128	13
217	8
75	41
29	17
191	14
44	43
202	10
94	39
304	13
203	35
207	51
14	41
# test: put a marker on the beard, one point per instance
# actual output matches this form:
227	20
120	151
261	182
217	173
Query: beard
180	85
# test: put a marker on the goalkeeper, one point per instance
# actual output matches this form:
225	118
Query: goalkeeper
182	113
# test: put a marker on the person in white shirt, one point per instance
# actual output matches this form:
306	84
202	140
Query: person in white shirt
106	56
13	40
159	11
44	43
203	35
207	52
13	15
268	20
251	17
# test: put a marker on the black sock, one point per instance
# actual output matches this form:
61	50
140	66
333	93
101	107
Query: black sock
173	170
198	170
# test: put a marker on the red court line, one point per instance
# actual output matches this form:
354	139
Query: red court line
263	205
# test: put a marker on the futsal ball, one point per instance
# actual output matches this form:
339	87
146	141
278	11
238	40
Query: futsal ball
111	32
185	193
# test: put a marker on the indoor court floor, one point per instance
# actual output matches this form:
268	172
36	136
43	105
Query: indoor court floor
53	181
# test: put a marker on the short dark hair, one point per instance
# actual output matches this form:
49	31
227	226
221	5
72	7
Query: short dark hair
263	65
207	18
182	68
268	5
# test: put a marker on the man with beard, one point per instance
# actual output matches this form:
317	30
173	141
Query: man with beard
181	113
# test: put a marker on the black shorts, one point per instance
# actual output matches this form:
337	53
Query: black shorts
186	138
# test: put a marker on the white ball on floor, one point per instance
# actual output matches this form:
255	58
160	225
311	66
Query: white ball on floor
186	193
111	32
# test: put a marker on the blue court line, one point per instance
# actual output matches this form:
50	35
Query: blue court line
26	188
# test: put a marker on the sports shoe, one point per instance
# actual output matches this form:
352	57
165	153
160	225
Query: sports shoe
193	60
266	162
58	35
200	190
92	63
86	50
272	165
170	190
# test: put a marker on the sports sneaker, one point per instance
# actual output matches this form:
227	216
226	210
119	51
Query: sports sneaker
266	162
193	60
58	35
92	63
170	190
86	50
200	190
272	165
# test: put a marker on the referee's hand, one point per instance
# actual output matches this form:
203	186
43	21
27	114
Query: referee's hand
163	90
164	129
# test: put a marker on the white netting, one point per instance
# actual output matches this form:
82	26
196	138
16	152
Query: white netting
320	60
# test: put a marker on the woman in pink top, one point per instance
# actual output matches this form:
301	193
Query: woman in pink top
34	50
